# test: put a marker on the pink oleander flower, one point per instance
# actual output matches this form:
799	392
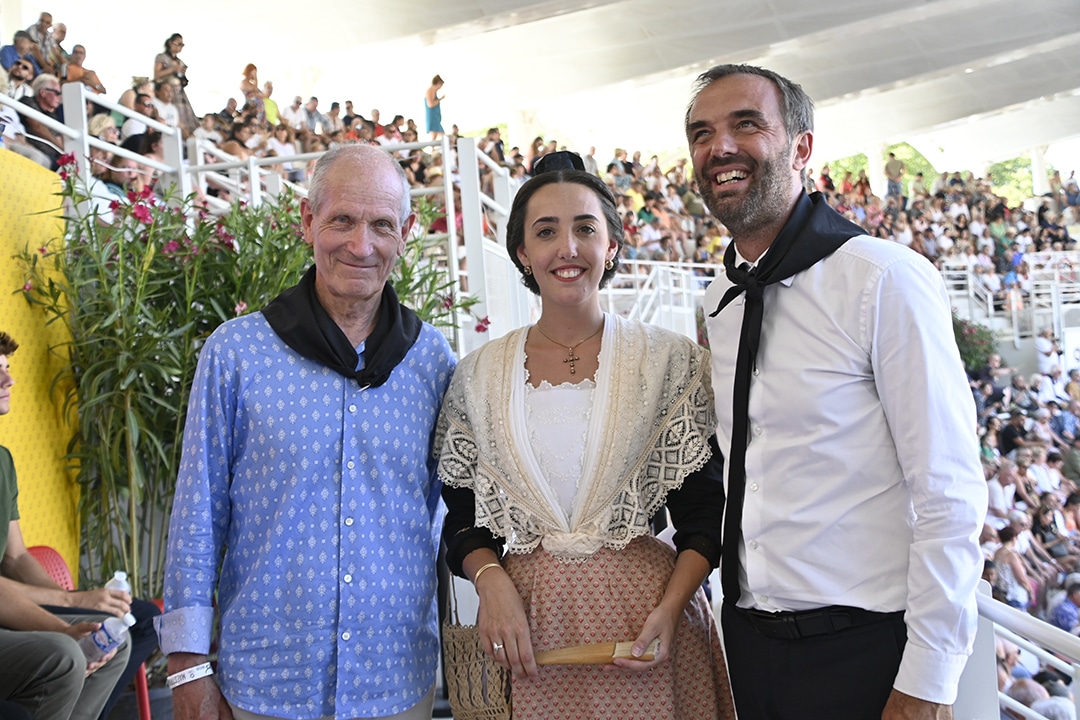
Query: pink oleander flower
44	249
64	174
27	286
483	324
142	213
171	248
67	159
241	308
114	205
448	301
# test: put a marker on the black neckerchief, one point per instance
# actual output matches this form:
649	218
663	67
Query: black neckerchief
298	318
813	232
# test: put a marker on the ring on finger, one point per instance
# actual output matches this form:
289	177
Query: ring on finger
496	648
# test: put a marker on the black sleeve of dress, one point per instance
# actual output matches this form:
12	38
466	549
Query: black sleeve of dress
459	529
697	508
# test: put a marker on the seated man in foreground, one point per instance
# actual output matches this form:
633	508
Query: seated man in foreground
45	670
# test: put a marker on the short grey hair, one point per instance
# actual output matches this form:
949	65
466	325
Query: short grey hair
357	152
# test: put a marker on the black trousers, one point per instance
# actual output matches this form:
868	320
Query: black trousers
844	676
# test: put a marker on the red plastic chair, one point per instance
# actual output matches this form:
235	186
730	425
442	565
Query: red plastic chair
58	570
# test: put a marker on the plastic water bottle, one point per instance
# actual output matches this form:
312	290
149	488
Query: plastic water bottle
119	581
106	638
114	630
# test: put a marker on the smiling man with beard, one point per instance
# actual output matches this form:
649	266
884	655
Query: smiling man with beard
855	497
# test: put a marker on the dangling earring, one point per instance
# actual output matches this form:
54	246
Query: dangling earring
527	269
609	264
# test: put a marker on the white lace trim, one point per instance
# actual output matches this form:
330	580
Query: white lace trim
658	414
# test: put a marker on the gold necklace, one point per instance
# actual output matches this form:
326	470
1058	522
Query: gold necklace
570	357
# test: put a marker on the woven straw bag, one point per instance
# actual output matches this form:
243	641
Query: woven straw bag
479	688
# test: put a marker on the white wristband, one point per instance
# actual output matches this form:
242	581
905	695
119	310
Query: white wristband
185	676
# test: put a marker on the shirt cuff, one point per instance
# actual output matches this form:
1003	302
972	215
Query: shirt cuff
186	630
929	675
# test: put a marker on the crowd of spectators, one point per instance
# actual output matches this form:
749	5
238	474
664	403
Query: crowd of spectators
955	218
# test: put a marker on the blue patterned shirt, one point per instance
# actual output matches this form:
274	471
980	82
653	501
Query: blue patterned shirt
319	500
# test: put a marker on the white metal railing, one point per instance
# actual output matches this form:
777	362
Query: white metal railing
491	276
978	697
1054	292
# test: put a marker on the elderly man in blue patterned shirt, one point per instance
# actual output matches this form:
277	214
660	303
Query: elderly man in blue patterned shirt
306	501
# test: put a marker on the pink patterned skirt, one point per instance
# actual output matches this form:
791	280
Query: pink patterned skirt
607	598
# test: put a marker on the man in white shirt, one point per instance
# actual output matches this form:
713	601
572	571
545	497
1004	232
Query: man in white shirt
167	112
855	494
1047	350
293	115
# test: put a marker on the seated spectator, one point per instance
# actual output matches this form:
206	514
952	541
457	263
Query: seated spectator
1026	692
144	105
1067	613
73	71
1001	489
293	115
20	49
236	143
1055	708
45	670
207	129
314	122
139	84
20	77
103	127
46	100
1011	571
1052	539
124	175
167	112
14	137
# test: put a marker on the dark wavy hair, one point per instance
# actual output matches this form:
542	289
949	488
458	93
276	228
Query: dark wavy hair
515	227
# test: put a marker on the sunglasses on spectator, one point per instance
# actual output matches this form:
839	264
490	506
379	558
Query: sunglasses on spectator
24	66
51	91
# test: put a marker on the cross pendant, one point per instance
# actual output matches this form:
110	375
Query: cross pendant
571	358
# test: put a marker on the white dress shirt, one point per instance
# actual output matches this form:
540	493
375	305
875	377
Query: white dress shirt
863	483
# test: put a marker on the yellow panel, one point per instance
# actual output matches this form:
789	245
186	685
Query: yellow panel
34	430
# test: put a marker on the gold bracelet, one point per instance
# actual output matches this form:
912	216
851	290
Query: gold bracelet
482	569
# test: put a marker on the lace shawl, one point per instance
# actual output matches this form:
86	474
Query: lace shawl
650	426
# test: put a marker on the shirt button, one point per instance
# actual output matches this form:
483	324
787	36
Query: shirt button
349	521
757	430
346	635
347	578
352	408
763	599
756	372
753	544
350	464
753	487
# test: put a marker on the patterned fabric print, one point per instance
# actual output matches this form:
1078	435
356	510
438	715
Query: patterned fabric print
322	498
557	420
607	599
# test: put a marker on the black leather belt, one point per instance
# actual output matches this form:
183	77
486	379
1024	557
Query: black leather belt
812	623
